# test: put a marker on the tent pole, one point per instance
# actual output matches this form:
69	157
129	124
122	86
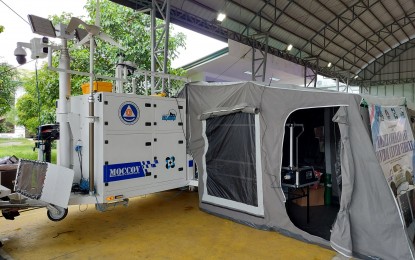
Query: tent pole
291	145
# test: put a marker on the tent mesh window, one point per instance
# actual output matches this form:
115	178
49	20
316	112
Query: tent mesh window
230	158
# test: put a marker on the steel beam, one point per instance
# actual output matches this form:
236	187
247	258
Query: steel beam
159	42
312	77
376	67
259	56
381	33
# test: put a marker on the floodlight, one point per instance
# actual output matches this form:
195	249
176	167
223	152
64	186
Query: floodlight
221	17
329	65
289	47
41	26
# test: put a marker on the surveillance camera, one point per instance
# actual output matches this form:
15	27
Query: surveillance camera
21	59
20	54
38	47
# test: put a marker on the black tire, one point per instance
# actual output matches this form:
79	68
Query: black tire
57	217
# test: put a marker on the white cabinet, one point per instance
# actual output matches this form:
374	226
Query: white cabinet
140	145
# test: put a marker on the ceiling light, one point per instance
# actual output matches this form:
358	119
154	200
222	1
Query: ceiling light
221	17
289	47
329	65
248	72
355	77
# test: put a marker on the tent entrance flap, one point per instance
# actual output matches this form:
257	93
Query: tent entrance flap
232	167
312	202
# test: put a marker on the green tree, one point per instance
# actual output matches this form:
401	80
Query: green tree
126	26
8	82
43	91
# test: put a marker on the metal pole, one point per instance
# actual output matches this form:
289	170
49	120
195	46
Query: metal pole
64	147
91	118
118	73
133	86
305	76
347	85
124	76
169	85
253	63
145	84
337	84
41	151
153	44
291	146
166	41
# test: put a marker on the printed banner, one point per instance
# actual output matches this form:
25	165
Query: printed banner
393	141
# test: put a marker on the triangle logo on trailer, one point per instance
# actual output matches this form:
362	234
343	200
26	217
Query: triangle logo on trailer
128	113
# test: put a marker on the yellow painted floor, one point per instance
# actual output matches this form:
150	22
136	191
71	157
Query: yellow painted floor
167	225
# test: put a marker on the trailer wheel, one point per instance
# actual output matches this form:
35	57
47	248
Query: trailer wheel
57	214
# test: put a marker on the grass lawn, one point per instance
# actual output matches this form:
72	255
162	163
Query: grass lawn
21	148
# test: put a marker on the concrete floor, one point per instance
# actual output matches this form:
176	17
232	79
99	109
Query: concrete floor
167	225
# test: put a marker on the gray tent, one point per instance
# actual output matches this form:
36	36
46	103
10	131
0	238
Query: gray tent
236	136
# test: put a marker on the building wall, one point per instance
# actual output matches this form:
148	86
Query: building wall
19	131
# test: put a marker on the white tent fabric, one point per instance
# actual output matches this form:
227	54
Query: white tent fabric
368	223
340	239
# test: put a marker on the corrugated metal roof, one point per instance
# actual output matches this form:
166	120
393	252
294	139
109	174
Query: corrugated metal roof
349	34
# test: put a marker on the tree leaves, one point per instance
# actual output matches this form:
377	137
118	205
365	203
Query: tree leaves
8	84
124	25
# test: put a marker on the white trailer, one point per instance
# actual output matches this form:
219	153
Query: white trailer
112	146
139	148
140	145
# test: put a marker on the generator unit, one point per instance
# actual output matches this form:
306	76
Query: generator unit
139	148
140	144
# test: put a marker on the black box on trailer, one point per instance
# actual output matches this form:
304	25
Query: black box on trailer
300	177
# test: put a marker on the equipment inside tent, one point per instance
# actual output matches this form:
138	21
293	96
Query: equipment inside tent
239	136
